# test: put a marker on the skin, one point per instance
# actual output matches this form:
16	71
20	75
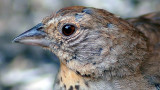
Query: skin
105	52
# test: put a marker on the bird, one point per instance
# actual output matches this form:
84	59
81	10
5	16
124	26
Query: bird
99	50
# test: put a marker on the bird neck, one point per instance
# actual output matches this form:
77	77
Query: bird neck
69	80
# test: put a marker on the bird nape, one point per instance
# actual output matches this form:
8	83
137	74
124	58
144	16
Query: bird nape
100	51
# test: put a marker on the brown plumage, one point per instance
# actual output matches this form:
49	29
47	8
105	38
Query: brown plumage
100	51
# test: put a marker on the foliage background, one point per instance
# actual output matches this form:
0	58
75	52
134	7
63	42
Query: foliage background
25	67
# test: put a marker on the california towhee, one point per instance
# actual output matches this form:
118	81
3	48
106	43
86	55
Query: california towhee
100	51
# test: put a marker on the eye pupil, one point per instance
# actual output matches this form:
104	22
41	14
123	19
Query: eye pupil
68	29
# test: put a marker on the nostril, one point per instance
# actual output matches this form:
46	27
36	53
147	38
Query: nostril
40	28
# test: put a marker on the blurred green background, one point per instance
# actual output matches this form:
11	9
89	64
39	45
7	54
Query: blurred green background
25	67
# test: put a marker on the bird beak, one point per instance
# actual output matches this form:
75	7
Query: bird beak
35	36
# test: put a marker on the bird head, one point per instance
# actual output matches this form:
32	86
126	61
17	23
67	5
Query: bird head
89	41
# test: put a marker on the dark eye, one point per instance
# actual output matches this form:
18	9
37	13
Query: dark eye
68	29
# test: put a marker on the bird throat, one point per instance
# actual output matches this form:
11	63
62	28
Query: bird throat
69	80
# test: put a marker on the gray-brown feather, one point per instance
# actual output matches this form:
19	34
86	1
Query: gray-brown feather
106	52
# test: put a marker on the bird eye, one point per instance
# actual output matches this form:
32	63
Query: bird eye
68	29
